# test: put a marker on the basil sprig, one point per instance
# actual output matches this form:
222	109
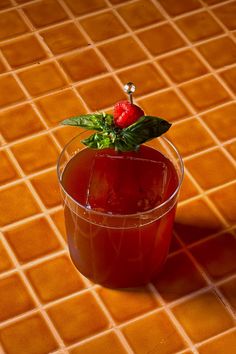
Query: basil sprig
111	136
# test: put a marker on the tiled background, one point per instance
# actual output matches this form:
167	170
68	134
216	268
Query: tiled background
64	57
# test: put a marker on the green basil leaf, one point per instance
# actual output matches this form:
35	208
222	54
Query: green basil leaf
98	141
89	121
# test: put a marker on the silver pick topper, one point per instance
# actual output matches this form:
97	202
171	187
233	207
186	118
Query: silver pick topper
130	89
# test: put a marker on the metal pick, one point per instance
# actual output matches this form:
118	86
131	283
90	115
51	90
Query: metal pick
130	89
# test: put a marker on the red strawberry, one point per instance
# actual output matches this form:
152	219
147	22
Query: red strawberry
126	113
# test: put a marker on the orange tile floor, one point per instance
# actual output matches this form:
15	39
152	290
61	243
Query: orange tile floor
65	57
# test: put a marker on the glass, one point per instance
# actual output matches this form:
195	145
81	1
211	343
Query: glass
119	250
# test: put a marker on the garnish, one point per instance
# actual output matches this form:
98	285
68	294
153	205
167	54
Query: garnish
126	131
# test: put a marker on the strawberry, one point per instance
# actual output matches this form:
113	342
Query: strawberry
126	113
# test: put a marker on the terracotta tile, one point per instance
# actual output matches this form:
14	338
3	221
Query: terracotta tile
226	13
212	2
101	93
116	2
199	26
2	66
8	171
219	52
229	291
16	339
53	112
224	344
22	1
103	26
225	128
225	201
83	6
55	278
10	91
229	77
205	93
31	153
45	12
11	24
175	8
161	39
66	133
217	255
152	334
19	127
6	262
36	79
145	14
179	277
122	52
188	189
203	316
32	240
211	169
183	66
165	104
195	220
16	203
83	316
47	187
23	51
63	38
126	304
146	78
83	65
231	148
5	4
190	137
14	297
59	220
108	343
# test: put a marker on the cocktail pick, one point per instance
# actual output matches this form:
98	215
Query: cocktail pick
129	88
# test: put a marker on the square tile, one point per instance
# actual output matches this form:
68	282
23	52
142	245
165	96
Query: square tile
146	77
217	255
101	93
188	189
83	316
10	91
103	26
116	2
211	169
15	298
5	4
231	148
226	13
54	279
32	240
84	6
179	277
70	105
23	51
212	2
190	136
165	104
223	344
145	14
83	65
229	291
45	12
36	79
229	76
31	153
161	39
24	121
46	185
199	26
205	93
108	343
126	304
65	133
219	52
59	220
11	24
203	316
15	338
195	220
183	66
16	203
2	66
6	262
63	38
175	8
225	201
225	128
152	334
8	170
122	52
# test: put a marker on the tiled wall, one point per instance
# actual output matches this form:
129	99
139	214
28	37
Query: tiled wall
64	57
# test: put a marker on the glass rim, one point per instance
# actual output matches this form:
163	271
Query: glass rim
123	215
